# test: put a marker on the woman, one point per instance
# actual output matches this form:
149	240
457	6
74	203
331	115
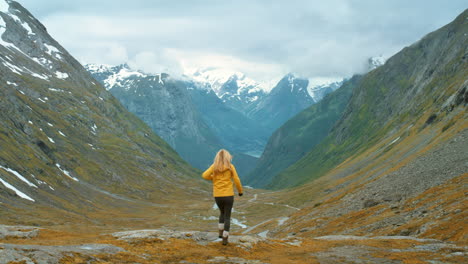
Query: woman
222	172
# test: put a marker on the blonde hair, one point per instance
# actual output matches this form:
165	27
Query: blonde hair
222	161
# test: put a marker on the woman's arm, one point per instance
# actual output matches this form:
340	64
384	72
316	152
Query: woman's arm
237	181
208	174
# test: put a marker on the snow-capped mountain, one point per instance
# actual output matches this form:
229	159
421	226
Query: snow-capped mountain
286	99
217	77
119	76
165	105
186	113
319	91
235	89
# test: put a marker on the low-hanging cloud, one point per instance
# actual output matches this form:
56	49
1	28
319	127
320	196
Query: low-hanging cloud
263	39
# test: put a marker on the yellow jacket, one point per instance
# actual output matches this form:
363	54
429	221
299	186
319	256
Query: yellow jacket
222	183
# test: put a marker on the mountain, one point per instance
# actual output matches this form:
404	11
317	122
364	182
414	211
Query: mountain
394	165
236	131
418	94
166	106
235	89
187	114
318	92
286	99
241	98
300	134
68	147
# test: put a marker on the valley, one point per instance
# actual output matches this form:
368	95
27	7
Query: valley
102	164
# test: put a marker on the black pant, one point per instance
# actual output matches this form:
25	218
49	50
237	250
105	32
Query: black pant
225	204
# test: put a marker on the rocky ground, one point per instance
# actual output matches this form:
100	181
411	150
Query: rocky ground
24	244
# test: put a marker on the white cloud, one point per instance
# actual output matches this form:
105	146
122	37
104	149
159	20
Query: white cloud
264	39
164	61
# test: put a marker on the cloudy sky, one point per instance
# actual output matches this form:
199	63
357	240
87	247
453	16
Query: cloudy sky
264	39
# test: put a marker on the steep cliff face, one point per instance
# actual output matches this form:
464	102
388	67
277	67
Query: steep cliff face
300	134
425	81
66	142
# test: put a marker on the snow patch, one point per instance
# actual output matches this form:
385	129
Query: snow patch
51	140
55	90
19	176
43	62
40	76
67	173
61	75
12	67
4	6
18	192
94	128
101	68
51	49
117	78
24	24
62	134
12	83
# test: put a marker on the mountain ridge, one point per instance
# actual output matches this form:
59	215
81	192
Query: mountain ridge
409	74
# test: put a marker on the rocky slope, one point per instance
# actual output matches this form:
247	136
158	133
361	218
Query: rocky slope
172	246
69	149
425	81
300	134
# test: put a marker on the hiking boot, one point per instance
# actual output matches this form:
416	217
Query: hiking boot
220	233
225	240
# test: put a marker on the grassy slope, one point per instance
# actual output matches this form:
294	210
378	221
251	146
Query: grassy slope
300	134
417	80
